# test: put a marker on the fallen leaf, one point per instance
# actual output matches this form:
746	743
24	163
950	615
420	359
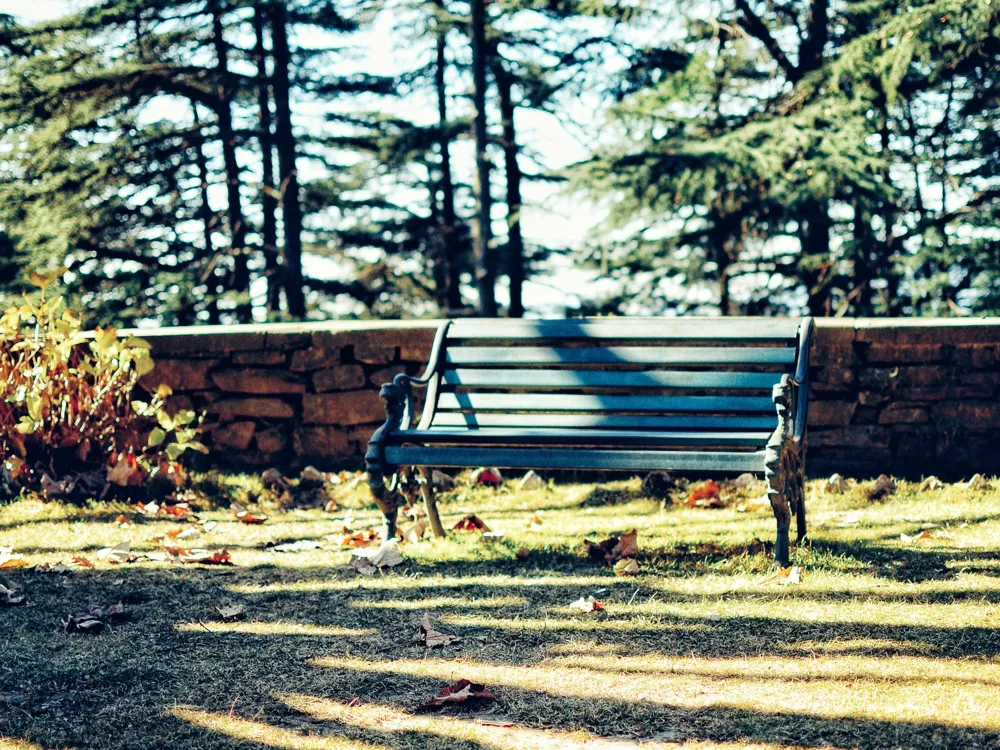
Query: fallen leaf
785	576
178	510
601	550
492	536
930	484
588	605
370	560
201	556
126	471
118	555
882	487
979	483
243	515
10	561
414	532
357	538
836	485
534	524
522	554
83	562
627	545
302	545
94	620
486	476
123	521
431	638
9	597
231	611
471	523
626	567
530	481
705	495
463	691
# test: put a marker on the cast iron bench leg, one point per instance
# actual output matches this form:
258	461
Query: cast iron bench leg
430	500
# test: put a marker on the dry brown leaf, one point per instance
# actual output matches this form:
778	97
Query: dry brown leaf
471	523
588	605
414	532
243	515
200	556
627	546
462	692
705	495
534	524
126	471
431	638
93	620
882	488
522	554
231	611
627	567
357	538
9	596
118	555
370	560
10	561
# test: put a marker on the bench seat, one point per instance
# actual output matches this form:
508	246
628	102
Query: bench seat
694	394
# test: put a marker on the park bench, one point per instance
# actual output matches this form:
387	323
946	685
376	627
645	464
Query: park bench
694	395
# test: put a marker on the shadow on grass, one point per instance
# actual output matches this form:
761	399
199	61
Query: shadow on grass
172	676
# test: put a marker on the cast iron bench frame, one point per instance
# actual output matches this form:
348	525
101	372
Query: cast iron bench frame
395	449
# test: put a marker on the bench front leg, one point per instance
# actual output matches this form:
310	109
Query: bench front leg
781	472
395	397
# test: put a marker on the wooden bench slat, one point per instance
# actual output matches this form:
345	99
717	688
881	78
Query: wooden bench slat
656	329
548	458
531	379
556	436
593	403
676	355
446	420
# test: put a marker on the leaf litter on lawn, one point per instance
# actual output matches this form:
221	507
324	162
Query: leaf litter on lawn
471	695
431	638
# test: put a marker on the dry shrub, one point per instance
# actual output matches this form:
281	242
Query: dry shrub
66	399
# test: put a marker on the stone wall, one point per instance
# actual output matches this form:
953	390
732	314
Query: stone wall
909	397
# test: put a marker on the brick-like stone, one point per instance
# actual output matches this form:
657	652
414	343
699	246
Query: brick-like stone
967	415
859	437
833	345
260	408
903	413
833	379
259	358
271	441
373	354
235	435
340	378
385	374
893	353
258	381
831	413
323	445
314	358
345	408
181	374
981	356
871	398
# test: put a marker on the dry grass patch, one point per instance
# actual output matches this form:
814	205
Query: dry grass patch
890	639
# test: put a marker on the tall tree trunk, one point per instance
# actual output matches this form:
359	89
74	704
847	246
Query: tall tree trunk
865	252
207	220
816	211
449	223
512	171
237	227
291	207
268	197
816	252
485	260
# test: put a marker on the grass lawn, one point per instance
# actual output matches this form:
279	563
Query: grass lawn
889	640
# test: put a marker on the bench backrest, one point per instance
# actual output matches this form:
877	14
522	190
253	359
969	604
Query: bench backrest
607	373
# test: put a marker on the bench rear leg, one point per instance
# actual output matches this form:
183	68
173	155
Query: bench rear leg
430	501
